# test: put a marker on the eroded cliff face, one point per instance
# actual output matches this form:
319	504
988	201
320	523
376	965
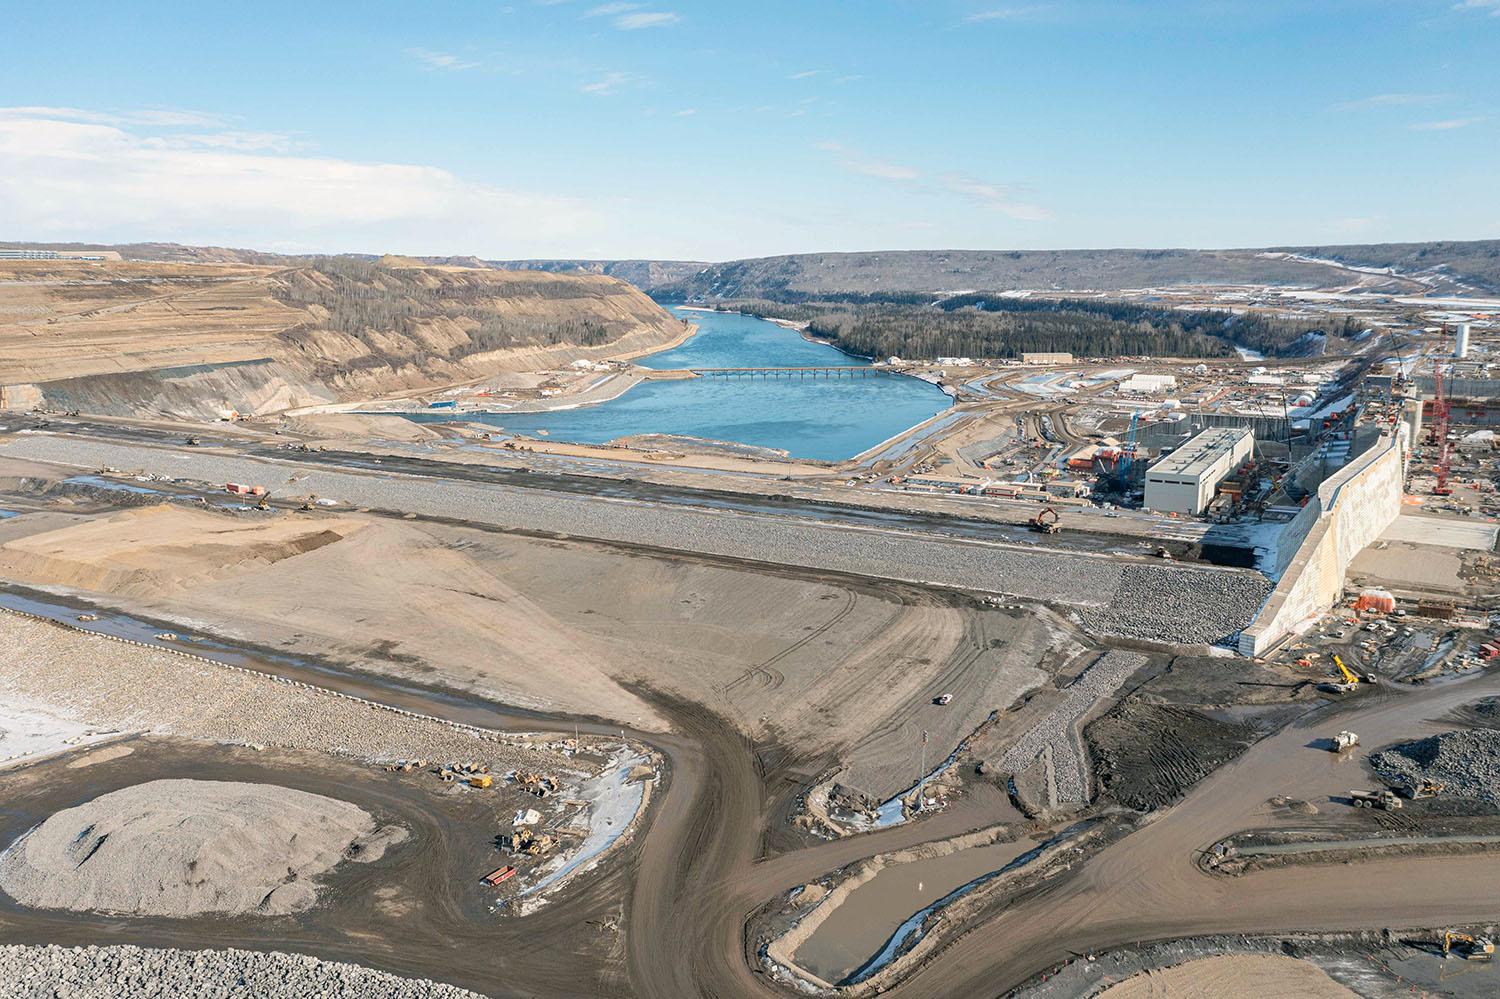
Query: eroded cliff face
196	340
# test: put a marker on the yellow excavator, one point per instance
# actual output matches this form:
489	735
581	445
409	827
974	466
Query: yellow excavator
1467	946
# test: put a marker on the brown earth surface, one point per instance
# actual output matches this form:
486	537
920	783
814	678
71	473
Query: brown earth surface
1231	977
842	671
194	340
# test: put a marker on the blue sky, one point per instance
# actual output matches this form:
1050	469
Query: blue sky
712	131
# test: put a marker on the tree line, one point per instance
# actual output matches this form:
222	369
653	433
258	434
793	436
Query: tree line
992	326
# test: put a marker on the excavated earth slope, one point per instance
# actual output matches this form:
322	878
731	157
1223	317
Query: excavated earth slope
197	340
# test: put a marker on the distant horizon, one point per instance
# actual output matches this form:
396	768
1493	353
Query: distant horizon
85	244
689	130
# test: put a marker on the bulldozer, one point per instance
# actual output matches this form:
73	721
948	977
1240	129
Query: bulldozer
1417	790
1467	946
1045	522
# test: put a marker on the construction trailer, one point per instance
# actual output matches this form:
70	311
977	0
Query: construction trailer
1184	481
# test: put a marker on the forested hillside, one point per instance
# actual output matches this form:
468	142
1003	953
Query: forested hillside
972	326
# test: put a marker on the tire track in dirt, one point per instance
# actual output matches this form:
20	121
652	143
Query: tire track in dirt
774	677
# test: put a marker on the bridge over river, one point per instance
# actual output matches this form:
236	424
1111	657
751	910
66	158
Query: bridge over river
810	371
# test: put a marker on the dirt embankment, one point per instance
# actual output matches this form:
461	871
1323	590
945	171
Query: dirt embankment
197	340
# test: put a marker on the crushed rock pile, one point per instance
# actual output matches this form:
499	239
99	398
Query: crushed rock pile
28	972
186	847
1467	761
1159	604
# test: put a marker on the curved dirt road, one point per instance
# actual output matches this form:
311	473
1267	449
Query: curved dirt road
700	880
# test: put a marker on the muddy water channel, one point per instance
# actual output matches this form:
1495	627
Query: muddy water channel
883	915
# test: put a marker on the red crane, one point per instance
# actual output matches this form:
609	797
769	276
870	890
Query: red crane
1440	409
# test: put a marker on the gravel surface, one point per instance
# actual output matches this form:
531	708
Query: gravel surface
1162	604
140	973
107	684
1467	761
1058	733
184	847
1177	603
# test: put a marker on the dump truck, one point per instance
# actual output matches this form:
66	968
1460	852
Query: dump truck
495	877
1345	741
481	780
1384	799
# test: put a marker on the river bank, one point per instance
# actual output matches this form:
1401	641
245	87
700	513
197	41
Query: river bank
825	419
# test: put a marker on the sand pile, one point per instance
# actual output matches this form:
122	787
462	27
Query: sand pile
1231	976
184	847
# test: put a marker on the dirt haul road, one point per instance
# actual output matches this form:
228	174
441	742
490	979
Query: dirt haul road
700	879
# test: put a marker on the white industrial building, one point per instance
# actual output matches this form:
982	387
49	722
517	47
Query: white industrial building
1148	384
1184	481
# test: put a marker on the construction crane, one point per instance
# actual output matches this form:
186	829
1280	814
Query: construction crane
1440	408
1351	679
1127	453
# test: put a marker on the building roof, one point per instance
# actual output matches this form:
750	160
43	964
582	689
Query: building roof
1198	455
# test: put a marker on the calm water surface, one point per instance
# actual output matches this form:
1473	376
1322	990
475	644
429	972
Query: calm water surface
828	419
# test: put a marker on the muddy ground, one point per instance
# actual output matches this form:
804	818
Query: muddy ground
1178	726
420	910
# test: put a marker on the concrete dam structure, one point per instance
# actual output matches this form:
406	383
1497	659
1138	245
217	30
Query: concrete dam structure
1351	509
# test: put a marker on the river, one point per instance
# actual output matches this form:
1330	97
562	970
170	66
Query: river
828	419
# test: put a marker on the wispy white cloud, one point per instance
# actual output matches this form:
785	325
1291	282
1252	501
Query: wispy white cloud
442	60
609	84
807	74
856	162
848	78
278	142
163	117
1388	101
1493	6
632	16
685	113
1000	198
646	19
1446	125
70	175
1006	14
996	197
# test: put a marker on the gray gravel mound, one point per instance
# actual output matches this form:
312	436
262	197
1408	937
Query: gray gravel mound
1467	761
186	847
141	973
1161	604
1177	603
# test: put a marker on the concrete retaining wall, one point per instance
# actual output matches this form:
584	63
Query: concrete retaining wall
1353	508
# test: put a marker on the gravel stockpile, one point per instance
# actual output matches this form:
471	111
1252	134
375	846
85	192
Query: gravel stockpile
139	973
1467	761
113	685
1058	734
1162	604
186	847
1187	604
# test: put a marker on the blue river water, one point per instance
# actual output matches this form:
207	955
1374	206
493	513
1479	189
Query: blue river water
828	419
